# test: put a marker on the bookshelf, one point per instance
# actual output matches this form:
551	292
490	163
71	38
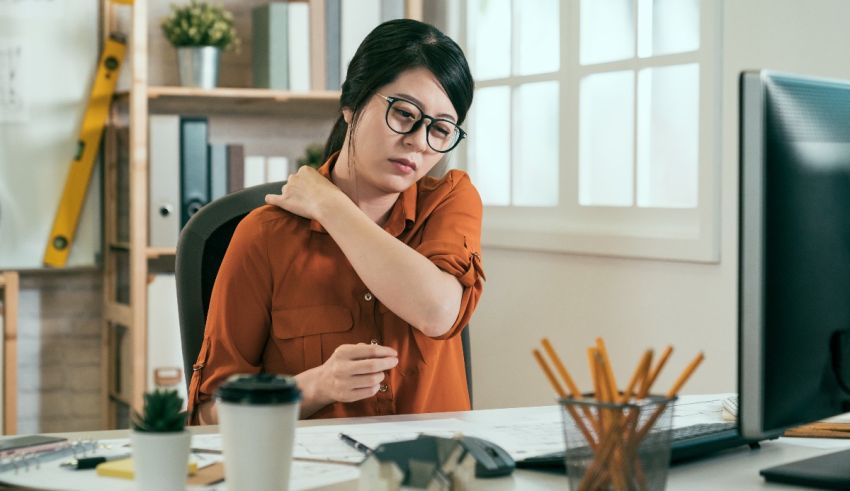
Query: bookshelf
9	293
269	122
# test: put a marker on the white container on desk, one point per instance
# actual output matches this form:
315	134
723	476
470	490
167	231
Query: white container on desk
257	416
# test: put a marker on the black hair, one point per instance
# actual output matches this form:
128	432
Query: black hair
390	49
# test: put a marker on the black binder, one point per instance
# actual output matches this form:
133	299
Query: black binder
194	167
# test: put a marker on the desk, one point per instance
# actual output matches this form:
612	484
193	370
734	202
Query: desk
733	469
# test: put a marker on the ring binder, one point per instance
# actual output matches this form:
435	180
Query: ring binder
27	459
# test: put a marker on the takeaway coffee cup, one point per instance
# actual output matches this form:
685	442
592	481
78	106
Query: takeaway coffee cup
257	416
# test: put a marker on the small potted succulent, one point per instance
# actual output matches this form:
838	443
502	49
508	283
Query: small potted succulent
160	442
200	32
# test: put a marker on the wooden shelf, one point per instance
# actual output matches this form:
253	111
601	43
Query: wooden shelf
154	252
185	100
121	399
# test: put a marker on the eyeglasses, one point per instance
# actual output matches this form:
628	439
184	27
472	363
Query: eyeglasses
405	117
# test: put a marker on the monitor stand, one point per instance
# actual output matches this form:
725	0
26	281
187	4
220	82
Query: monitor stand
830	471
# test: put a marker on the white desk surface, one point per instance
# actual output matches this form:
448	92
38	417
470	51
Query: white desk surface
732	469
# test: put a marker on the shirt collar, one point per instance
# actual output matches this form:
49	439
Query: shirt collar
402	212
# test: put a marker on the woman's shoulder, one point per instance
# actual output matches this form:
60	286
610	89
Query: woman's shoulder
455	183
270	219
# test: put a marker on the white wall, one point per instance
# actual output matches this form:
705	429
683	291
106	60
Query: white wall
636	304
59	54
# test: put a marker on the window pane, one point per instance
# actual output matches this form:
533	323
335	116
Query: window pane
668	26
607	31
489	143
489	23
606	139
538	49
668	136
536	139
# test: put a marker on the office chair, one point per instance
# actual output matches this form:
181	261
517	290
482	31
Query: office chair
200	250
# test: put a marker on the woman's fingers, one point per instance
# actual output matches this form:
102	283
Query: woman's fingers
371	365
363	351
366	381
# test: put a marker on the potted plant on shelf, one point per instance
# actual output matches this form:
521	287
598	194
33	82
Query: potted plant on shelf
160	442
200	32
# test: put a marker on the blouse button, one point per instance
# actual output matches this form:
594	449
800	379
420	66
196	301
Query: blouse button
367	297
383	387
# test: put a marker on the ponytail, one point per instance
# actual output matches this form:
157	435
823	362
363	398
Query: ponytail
336	138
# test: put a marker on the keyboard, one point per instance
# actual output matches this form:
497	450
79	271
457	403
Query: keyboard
688	442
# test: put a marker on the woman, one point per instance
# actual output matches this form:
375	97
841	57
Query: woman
359	277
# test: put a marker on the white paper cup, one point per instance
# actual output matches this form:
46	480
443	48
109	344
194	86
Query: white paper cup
257	416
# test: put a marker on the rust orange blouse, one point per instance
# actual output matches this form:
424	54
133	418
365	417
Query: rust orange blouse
286	297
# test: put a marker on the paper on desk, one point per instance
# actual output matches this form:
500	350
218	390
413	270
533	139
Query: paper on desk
699	409
50	475
323	442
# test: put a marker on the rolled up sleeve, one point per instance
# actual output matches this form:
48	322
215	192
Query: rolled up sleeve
238	320
451	239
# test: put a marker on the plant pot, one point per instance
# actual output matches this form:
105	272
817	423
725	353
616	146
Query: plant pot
198	66
160	460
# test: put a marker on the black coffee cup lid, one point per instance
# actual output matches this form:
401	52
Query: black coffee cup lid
261	388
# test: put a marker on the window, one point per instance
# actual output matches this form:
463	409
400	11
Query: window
595	125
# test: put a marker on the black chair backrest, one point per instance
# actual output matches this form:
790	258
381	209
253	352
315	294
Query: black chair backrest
201	249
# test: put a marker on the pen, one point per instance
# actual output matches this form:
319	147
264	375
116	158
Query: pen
92	462
354	443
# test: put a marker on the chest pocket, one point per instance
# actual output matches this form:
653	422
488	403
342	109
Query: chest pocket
307	336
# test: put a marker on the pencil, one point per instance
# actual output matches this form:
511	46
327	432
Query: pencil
649	380
568	380
551	376
606	363
562	370
638	375
548	371
685	375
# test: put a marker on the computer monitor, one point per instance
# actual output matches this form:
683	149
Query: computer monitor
794	282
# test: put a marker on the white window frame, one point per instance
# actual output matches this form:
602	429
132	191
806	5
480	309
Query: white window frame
685	234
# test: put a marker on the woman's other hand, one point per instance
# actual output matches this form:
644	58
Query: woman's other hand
353	372
305	193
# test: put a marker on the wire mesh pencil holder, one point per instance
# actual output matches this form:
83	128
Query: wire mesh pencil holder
617	446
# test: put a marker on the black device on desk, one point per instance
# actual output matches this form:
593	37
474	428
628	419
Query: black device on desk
491	460
688	443
794	290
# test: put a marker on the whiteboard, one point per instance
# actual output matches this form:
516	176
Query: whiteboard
48	56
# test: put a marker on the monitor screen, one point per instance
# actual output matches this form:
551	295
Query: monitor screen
794	283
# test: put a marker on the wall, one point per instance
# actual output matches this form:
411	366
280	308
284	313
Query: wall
59	334
636	304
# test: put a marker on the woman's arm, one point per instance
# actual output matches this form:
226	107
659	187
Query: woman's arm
405	281
410	285
353	372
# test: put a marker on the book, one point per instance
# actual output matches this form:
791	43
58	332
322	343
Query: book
277	169
333	77
123	469
298	44
194	166
164	178
270	55
255	170
218	170
235	167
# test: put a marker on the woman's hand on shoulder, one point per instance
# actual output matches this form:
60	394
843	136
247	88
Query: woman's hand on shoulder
355	371
306	193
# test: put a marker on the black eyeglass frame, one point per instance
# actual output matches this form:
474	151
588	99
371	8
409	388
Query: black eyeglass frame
391	100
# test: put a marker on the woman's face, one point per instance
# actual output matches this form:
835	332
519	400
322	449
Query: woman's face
389	162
